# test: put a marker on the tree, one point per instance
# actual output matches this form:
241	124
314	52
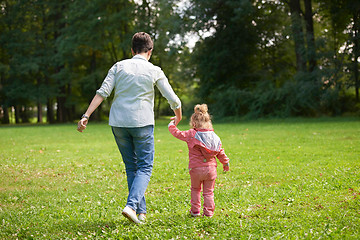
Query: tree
88	47
298	34
310	35
253	58
344	19
354	7
18	82
224	59
264	82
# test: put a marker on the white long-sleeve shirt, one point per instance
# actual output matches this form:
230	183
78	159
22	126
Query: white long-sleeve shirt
134	80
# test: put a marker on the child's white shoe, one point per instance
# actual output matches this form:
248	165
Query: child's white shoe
194	214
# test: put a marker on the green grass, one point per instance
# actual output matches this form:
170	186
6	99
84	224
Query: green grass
293	179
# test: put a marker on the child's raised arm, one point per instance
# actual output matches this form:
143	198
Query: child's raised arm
182	135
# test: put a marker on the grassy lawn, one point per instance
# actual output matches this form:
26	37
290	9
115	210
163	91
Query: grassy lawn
294	179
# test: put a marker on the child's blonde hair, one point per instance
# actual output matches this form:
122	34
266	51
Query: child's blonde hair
200	118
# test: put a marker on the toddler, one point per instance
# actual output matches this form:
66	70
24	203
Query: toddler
204	145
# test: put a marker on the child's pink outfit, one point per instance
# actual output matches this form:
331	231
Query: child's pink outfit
204	146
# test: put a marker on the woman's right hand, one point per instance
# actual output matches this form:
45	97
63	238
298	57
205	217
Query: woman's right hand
178	116
175	120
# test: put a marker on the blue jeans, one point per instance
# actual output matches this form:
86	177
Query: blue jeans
136	146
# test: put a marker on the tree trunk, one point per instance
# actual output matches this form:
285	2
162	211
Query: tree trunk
39	113
60	112
92	69
59	25
17	114
356	28
69	112
298	34
50	112
310	37
24	114
6	118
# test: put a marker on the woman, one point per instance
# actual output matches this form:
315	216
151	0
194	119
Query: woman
132	117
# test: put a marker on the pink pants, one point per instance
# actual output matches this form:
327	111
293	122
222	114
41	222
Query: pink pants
204	176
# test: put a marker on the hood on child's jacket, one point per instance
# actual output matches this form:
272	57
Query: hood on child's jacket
209	142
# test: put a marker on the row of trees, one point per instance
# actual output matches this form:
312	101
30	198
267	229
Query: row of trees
279	58
254	58
55	54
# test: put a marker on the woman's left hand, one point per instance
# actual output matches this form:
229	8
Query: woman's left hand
82	124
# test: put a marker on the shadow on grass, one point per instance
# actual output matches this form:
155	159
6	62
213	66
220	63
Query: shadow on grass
95	229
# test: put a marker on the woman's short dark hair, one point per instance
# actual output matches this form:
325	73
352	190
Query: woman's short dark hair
141	42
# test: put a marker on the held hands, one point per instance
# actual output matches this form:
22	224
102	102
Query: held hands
175	120
82	124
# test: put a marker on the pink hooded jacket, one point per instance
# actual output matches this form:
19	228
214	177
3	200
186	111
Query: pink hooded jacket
204	145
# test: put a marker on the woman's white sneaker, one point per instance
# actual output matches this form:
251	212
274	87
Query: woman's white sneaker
142	217
130	214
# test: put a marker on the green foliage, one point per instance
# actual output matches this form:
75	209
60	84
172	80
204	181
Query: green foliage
253	58
258	61
70	47
296	178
